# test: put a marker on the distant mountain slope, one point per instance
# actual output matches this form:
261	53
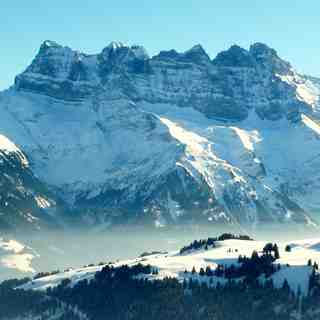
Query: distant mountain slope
119	137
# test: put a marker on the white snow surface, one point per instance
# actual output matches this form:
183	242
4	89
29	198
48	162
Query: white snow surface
236	152
88	146
7	146
78	147
306	90
293	264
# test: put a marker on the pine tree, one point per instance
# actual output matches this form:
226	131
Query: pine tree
185	284
276	251
299	292
209	272
268	248
285	286
312	281
254	256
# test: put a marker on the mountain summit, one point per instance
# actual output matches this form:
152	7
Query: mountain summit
121	137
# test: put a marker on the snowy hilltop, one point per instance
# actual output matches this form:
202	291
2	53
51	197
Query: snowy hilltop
211	261
120	137
222	277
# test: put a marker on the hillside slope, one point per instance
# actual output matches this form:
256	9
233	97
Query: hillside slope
178	265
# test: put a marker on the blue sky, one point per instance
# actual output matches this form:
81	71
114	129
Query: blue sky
291	27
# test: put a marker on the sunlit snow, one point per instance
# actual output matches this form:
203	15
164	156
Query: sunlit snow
293	264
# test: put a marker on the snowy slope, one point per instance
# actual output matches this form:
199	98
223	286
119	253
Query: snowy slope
105	147
253	159
226	252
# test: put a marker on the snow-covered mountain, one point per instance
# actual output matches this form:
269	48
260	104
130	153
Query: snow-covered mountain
121	137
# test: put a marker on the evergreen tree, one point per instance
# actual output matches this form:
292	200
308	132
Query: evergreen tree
268	248
276	251
312	281
254	256
209	272
288	248
285	286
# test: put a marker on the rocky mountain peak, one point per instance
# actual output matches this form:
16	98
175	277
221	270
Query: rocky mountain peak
268	58
117	57
260	50
140	52
52	59
113	48
235	56
121	49
197	54
168	55
47	44
114	45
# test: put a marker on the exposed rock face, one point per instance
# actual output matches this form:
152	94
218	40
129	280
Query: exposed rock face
228	87
178	137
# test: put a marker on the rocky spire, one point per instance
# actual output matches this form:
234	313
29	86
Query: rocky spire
235	56
269	59
197	54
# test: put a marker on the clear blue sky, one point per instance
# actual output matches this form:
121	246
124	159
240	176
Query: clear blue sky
291	27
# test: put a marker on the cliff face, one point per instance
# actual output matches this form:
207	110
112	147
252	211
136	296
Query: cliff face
228	87
120	137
